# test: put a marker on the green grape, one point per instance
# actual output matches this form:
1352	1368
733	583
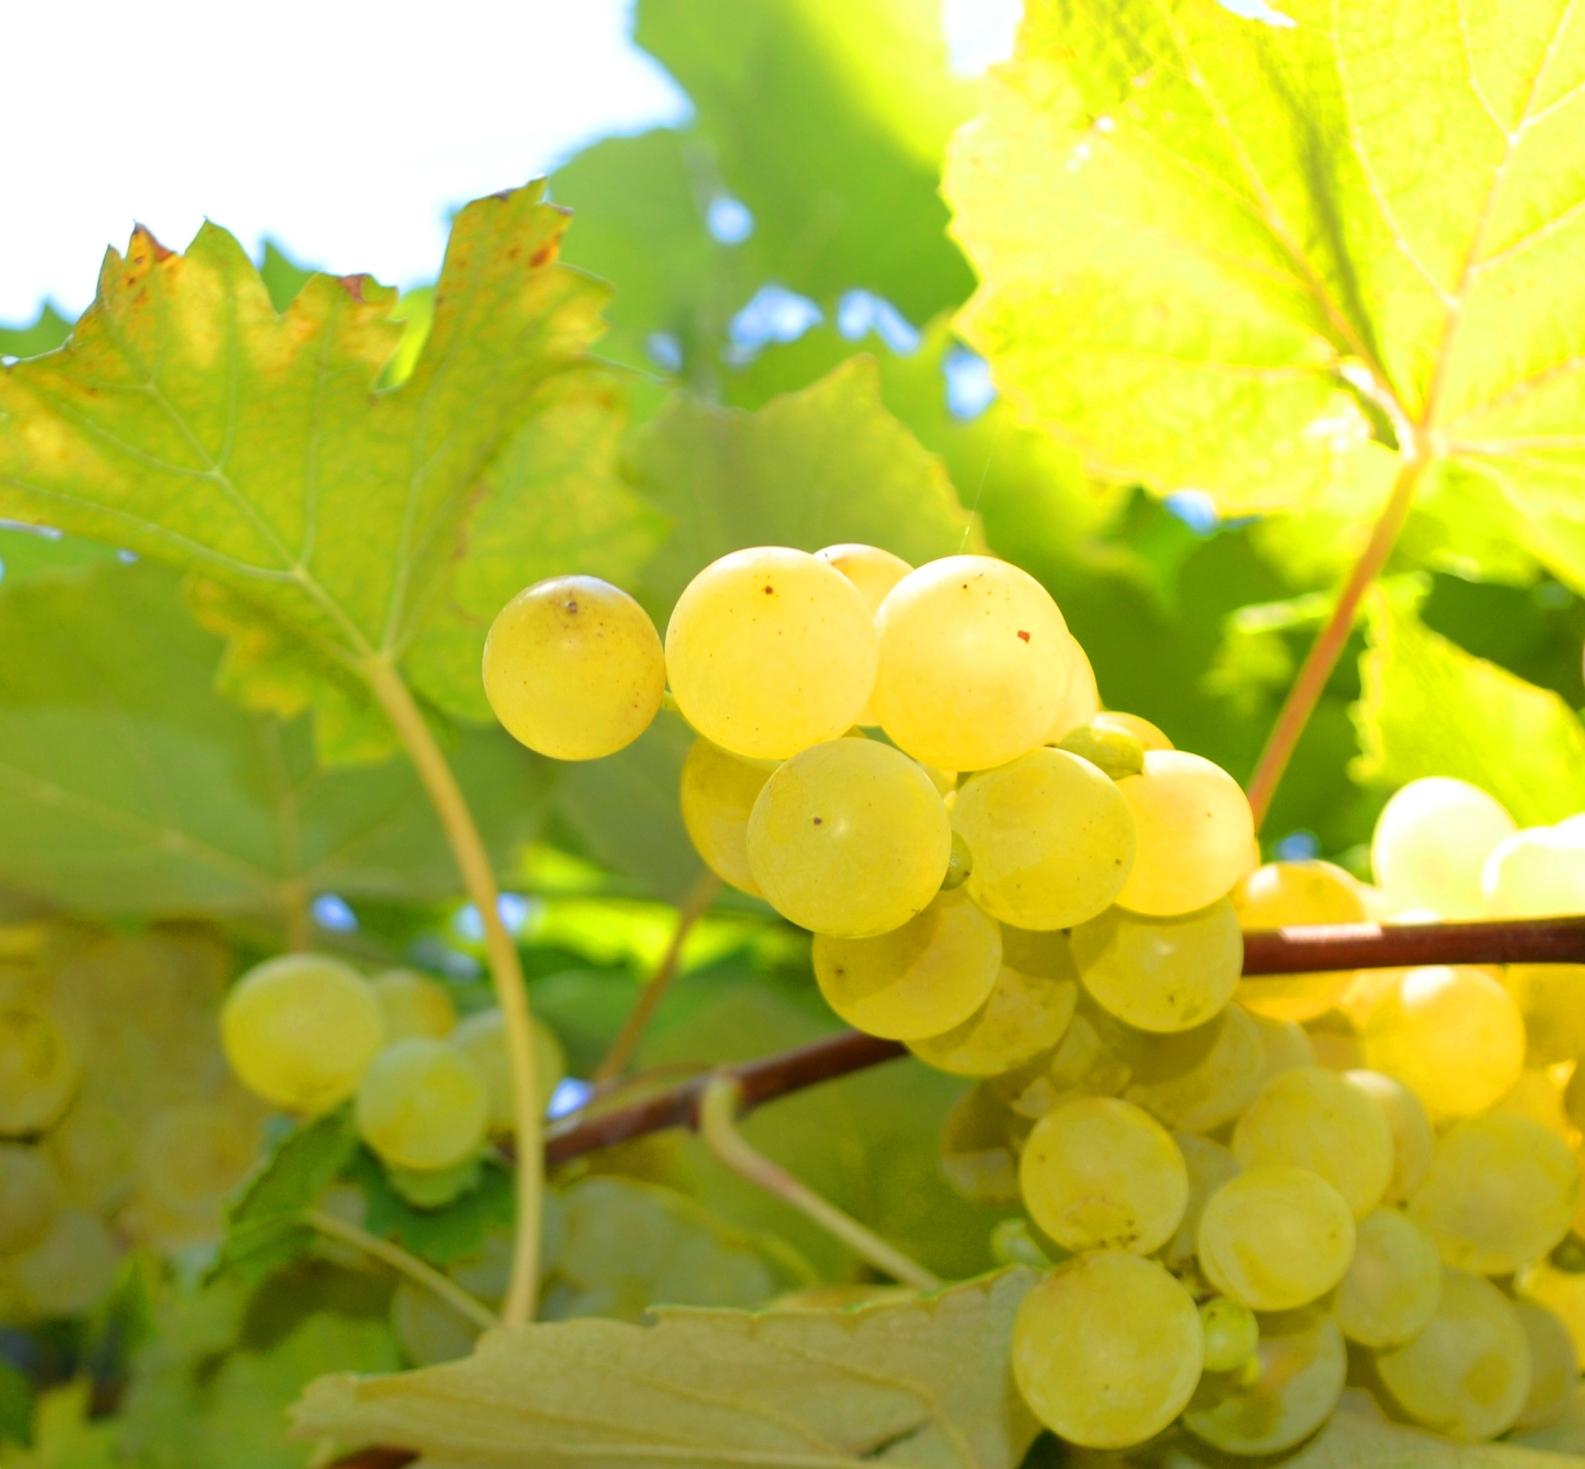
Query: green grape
1413	1138
192	1157
874	572
1027	1012
30	1197
413	1004
1275	1237
1285	1046
1452	1035
718	793
1014	1243
1290	894
976	663
482	1037
1050	838
69	1270
40	1069
573	668
1296	1381
1536	873
1314	1119
1081	703
1099	1173
849	839
1113	751
1151	736
300	1030
1500	1193
770	651
1195	834
1161	974
427	1329
919	980
1554	1364
1107	1350
1467	1373
1231	1332
1393	1283
1093	1058
95	1155
1197	1080
977	1154
960	862
423	1104
1431	843
1209	1165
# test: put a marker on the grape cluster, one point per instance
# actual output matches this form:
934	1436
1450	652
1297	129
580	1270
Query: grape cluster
1237	1186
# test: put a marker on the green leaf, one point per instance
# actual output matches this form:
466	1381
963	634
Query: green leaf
16	1406
1429	708
26	549
453	1232
43	334
924	1383
66	1434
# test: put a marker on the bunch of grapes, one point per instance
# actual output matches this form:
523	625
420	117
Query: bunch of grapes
1236	1186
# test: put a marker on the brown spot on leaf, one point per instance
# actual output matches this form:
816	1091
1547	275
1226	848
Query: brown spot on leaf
545	254
353	285
143	242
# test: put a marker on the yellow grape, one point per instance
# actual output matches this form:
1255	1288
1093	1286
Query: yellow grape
1098	1173
1197	1080
977	1154
482	1037
1431	842
1286	895
1194	834
718	793
1275	1237
1049	838
1536	873
1453	1035
1231	1334
1314	1119
849	838
1151	736
1551	999
40	1068
413	1004
770	651
94	1152
1298	1377
573	668
30	1196
1285	1046
68	1271
300	1030
423	1104
1093	1058
918	980
874	571
1161	974
1209	1166
1393	1283
1562	1292
1467	1373
193	1156
1082	701
1538	1095
1554	1364
1112	751
1107	1350
975	663
1413	1138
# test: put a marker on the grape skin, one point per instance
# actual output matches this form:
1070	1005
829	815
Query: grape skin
30	1197
482	1038
67	1271
1413	1138
1197	1080
717	795
413	1004
1231	1334
40	1069
1554	1364
1431	843
1393	1283
1282	894
874	571
423	1105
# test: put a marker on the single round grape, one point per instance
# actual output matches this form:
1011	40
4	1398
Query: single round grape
1467	1373
482	1038
1014	1243
918	980
1231	1334
1285	1046
1452	1035
1431	842
1393	1283
1049	837
413	1004
94	1152
1500	1193
1536	873
423	1104
874	571
1161	974
1209	1166
1151	736
717	796
1099	1173
300	1030
1275	1237
1551	999
770	651
849	839
1289	894
1081	703
573	668
1093	1058
1197	1080
1314	1119
1112	751
1413	1137
977	1155
40	1068
975	664
192	1157
1194	831
1554	1364
1107	1350
30	1197
69	1270
1296	1381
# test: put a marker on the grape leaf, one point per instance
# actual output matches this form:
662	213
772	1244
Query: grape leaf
442	1235
924	1383
66	1433
43	334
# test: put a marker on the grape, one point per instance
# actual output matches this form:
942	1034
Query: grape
573	668
1112	751
1013	1243
849	839
1453	1035
1314	1119
919	980
1393	1283
770	651
1413	1138
39	1067
1231	1334
977	1154
1536	873
1148	734
1467	1374
1275	1237
1297	1381
30	1197
193	1156
1049	838
413	1004
299	1031
423	1104
1289	894
1500	1193
1107	1350
1028	1010
1082	701
874	572
427	1329
1093	1058
718	793
94	1154
1431	842
1554	1364
1538	1095
1209	1166
68	1271
1161	974
1196	1080
975	663
482	1038
1194	830
1285	1046
1551	999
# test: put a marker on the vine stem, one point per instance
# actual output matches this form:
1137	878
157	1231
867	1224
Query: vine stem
506	972
1305	692
469	1307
